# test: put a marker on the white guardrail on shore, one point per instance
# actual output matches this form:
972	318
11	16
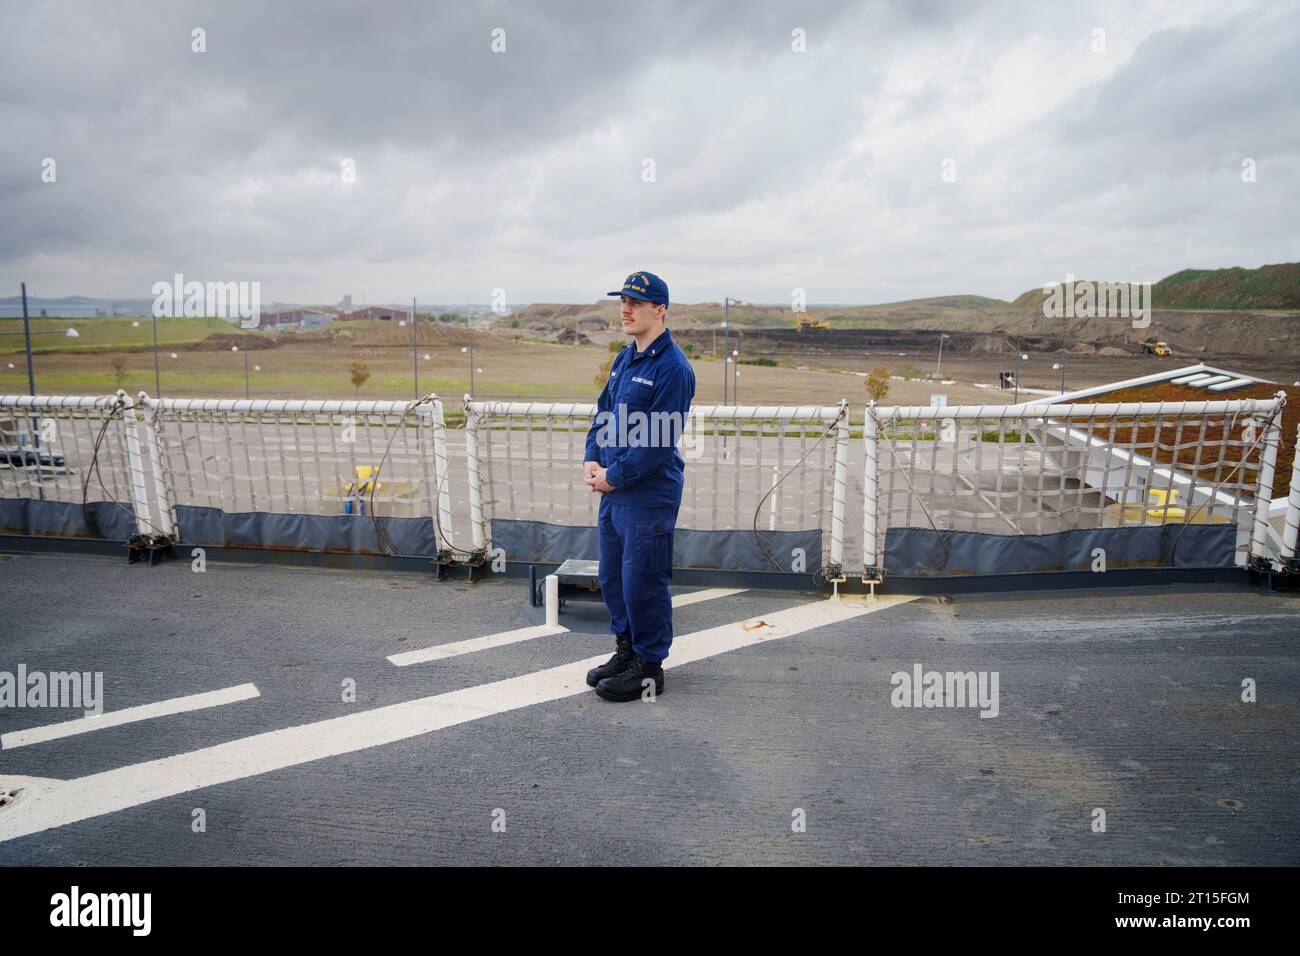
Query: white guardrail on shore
1019	469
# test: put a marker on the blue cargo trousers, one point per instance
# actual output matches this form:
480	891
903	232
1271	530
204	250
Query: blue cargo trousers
636	564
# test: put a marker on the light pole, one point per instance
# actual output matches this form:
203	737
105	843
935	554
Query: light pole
27	337
27	334
415	358
727	358
157	374
942	336
735	370
1017	398
726	317
236	348
1065	357
470	350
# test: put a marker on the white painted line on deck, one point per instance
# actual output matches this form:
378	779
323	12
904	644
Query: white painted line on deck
128	715
115	790
455	648
708	594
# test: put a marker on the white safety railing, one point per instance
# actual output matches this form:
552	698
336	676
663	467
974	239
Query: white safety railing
386	459
764	468
81	450
1012	470
1036	469
1291	514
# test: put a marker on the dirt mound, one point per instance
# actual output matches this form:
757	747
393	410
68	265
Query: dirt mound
225	341
605	312
1218	333
392	334
992	344
570	336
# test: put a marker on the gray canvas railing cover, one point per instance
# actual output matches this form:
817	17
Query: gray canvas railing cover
66	519
542	543
923	552
524	541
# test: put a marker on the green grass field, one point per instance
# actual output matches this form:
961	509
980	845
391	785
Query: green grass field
49	334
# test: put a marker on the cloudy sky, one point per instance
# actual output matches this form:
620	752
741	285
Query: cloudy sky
1103	140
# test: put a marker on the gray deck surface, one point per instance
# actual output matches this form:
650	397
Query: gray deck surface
1128	700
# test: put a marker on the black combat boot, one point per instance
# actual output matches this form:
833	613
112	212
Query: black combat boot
623	656
628	685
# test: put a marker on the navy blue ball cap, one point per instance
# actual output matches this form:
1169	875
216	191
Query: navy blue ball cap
645	286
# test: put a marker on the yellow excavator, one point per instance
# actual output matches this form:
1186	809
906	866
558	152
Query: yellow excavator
807	324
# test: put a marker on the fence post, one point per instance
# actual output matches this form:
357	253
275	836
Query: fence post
839	492
477	528
1258	555
774	498
870	494
437	424
135	463
1291	523
160	473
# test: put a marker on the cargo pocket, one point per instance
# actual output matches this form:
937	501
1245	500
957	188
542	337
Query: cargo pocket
654	543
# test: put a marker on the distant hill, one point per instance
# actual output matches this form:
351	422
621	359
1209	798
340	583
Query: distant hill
1033	299
75	306
945	302
744	314
1268	287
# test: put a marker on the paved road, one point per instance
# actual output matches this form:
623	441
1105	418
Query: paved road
1128	701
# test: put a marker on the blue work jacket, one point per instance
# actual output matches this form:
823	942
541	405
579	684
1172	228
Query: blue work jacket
652	388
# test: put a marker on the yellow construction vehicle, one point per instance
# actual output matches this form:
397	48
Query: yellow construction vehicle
1156	347
806	324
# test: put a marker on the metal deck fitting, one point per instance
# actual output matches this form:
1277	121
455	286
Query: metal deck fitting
578	581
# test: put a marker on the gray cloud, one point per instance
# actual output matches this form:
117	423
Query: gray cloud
523	170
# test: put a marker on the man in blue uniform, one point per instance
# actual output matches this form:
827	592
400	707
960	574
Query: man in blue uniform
633	463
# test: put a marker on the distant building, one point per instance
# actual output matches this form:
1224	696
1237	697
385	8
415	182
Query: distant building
382	312
296	318
315	320
346	304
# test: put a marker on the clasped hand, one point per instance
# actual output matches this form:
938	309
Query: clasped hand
594	475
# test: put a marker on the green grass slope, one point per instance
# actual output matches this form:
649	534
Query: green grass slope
1268	287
